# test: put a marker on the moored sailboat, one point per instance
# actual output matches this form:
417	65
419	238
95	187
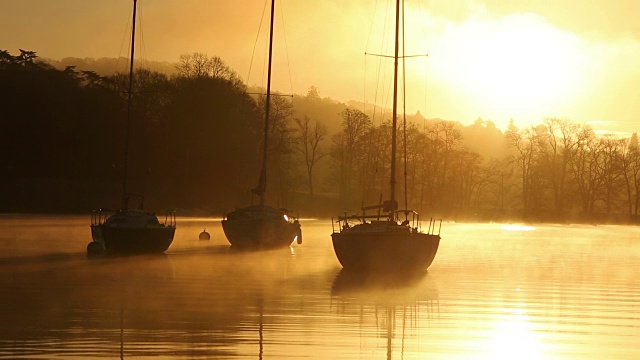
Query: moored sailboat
262	226
130	231
383	241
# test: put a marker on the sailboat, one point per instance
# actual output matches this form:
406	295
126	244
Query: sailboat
382	242
262	226
130	231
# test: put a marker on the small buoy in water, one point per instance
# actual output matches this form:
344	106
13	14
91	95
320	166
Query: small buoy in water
95	248
204	235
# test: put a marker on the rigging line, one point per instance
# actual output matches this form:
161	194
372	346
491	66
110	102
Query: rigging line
426	90
144	59
124	37
399	57
367	165
364	106
286	47
378	76
264	9
387	81
141	54
364	87
265	65
426	74
380	83
375	11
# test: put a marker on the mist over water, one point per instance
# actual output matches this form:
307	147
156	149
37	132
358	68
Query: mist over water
494	291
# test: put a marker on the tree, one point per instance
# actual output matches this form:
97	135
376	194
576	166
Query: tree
524	143
611	169
201	65
630	168
556	147
308	142
349	148
584	167
445	137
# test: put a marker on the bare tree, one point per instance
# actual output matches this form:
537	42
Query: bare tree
349	147
584	167
630	167
556	148
610	168
198	65
308	142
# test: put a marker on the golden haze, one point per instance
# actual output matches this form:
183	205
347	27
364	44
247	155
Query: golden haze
492	59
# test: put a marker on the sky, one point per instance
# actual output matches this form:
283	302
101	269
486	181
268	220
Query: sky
496	59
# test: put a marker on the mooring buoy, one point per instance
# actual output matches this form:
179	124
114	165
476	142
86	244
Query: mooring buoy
204	235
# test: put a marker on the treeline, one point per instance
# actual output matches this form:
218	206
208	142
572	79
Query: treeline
196	145
193	137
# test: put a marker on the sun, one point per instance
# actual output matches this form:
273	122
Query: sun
517	67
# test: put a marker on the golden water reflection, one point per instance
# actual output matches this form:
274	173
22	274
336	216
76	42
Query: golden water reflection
552	293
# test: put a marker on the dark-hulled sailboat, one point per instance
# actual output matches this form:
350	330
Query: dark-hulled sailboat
130	231
384	241
262	226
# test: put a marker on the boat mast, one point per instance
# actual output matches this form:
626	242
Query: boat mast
262	186
126	142
395	112
404	114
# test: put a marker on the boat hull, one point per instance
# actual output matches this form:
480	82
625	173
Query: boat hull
133	240
384	251
260	233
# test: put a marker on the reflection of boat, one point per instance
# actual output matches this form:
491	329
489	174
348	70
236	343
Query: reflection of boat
381	241
390	287
383	302
262	225
261	326
130	231
353	282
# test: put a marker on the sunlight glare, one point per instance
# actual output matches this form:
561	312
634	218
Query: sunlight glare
513	337
518	66
517	228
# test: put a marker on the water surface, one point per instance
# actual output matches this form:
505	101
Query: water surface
494	291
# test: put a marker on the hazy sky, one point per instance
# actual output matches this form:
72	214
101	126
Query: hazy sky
495	59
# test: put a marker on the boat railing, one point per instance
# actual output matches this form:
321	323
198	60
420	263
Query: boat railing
343	221
433	223
411	219
99	216
170	218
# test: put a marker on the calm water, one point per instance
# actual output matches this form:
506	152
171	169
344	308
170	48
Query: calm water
494	292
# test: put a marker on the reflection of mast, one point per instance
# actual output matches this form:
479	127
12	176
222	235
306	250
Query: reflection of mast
412	294
121	333
260	327
390	319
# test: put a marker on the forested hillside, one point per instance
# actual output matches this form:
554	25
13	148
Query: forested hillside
196	142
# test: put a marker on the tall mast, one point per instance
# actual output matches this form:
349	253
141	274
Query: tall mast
262	186
395	110
404	113
126	142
